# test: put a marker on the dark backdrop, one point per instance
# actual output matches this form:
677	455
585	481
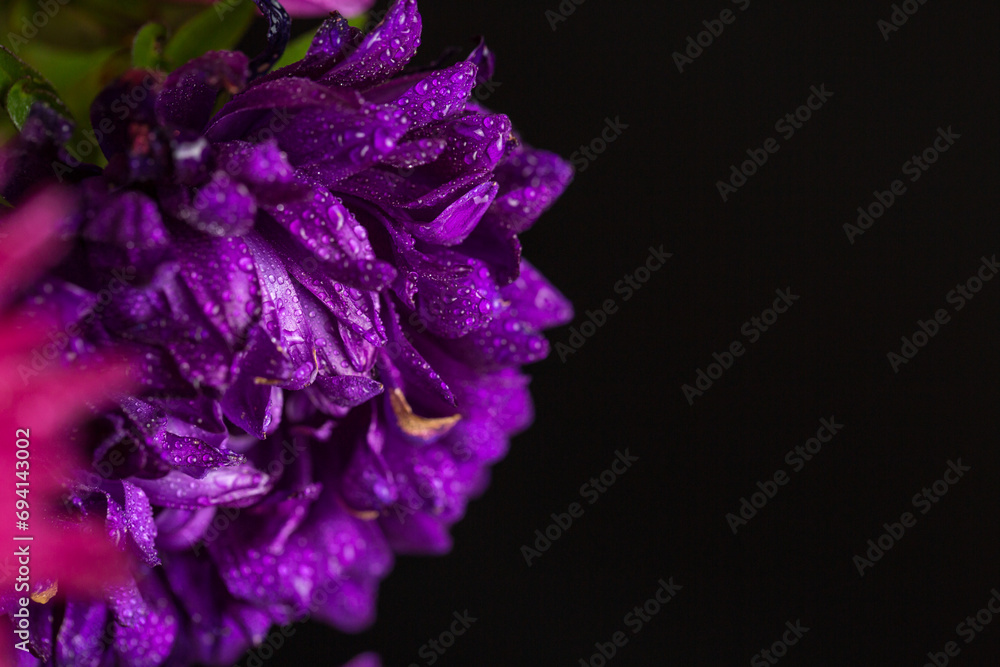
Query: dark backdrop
793	561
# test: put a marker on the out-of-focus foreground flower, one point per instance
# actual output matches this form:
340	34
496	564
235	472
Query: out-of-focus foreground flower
311	8
47	549
323	282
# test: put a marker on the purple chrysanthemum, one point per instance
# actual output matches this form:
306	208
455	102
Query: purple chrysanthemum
323	281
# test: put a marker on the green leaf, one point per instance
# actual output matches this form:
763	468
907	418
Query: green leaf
23	95
296	50
77	76
21	86
359	21
219	27
147	47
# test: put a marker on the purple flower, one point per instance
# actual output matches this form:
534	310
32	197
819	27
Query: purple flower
324	284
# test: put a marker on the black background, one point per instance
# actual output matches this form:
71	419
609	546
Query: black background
656	184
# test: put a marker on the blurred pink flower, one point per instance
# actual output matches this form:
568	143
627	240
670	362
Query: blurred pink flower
314	8
38	402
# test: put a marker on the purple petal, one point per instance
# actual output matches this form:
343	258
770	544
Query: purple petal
348	391
410	154
505	341
328	145
139	522
148	641
400	358
179	529
429	97
222	207
476	143
219	273
453	225
534	300
126	230
456	294
134	94
329	568
383	52
189	93
326	228
335	38
364	660
270	105
530	181
82	640
264	168
367	483
166	314
410	531
497	246
485	61
253	400
236	486
296	321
